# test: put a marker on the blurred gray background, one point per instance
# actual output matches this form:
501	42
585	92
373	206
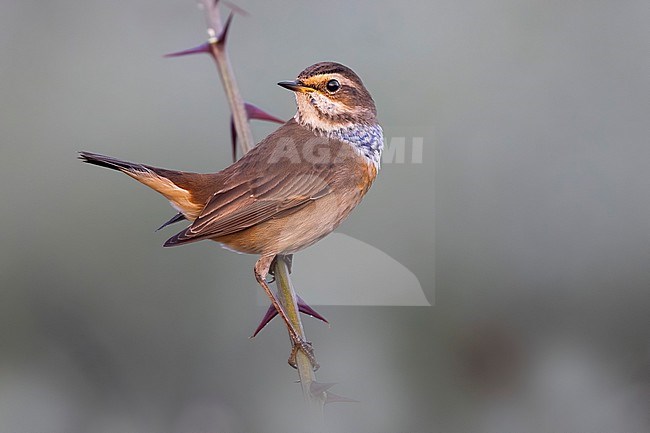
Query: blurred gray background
532	197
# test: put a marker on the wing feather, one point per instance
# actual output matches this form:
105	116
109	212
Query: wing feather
255	189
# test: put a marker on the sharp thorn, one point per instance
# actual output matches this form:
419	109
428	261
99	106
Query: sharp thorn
303	307
335	398
203	48
317	388
271	312
257	113
252	112
221	39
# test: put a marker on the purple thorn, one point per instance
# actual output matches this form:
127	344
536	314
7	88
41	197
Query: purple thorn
252	112
203	48
335	398
221	39
306	309
268	316
271	312
317	388
257	113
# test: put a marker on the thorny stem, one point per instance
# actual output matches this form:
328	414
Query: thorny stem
218	47
286	294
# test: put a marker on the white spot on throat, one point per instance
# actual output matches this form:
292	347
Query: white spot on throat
313	109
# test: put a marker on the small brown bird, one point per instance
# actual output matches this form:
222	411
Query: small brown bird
289	191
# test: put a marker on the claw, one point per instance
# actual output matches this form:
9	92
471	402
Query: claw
303	307
307	349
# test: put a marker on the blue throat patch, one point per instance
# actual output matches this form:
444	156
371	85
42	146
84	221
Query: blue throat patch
368	139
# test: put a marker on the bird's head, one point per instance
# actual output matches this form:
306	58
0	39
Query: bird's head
331	96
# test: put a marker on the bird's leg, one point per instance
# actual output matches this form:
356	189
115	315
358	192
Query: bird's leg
298	342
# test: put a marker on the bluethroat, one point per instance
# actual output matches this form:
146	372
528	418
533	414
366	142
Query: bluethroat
291	189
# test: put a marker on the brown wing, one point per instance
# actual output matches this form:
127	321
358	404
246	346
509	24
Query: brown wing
256	190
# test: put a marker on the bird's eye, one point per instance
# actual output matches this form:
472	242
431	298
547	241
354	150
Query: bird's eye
332	86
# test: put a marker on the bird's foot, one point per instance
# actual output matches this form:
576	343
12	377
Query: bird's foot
298	344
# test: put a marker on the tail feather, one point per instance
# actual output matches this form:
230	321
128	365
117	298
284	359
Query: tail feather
178	187
112	163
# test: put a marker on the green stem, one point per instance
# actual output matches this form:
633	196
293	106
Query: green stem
288	300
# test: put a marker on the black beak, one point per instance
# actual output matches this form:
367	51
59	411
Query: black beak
295	86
